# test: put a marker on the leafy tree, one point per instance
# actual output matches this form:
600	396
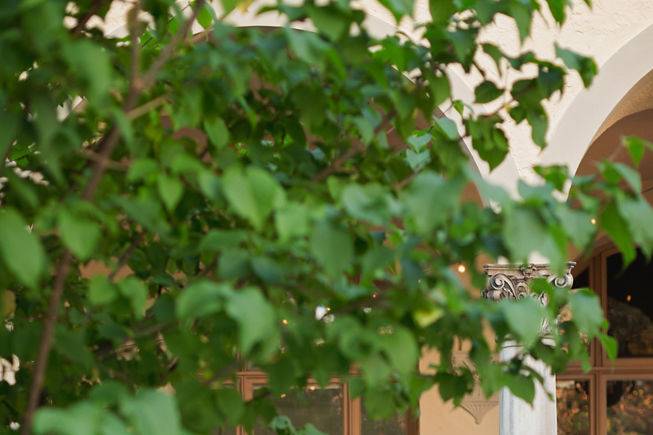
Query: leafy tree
232	182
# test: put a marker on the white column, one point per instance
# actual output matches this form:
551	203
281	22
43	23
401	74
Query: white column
516	416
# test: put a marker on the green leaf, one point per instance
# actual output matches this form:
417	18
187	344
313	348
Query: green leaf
525	233
636	147
210	185
80	419
21	250
557	175
291	221
451	386
253	193
487	92
521	386
329	21
201	299
615	172
418	161
448	127
79	234
153	412
488	139
402	350
136	292
440	88
430	199
229	5
522	14
217	132
441	10
375	370
71	344
332	247
92	64
231	404
419	140
205	16
374	261
101	291
577	224
617	228
525	317
610	345
463	41
398	8
141	169
639	215
255	317
309	429
586	311
539	123
309	47
585	66
557	8
425	318
170	190
268	270
372	203
220	240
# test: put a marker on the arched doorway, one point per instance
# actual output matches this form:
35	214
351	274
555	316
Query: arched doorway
615	397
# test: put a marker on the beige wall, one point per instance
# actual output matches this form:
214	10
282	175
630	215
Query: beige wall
439	418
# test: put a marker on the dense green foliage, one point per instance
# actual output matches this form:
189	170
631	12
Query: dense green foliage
250	176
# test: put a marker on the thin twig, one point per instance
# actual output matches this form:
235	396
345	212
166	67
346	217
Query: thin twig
111	164
107	145
141	110
93	9
355	149
150	76
46	339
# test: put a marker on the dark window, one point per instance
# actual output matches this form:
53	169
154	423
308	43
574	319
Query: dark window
331	410
630	407
573	399
614	397
630	305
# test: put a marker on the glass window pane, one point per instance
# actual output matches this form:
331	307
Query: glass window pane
630	305
573	407
394	426
630	407
323	408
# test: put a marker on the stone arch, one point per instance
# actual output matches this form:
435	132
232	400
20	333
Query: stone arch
609	99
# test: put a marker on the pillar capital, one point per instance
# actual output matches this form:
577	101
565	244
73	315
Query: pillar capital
512	281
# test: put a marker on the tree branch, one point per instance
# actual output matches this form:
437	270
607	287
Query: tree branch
150	76
46	339
107	145
92	10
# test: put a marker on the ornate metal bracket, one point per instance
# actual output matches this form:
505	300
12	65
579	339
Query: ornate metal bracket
476	404
512	281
